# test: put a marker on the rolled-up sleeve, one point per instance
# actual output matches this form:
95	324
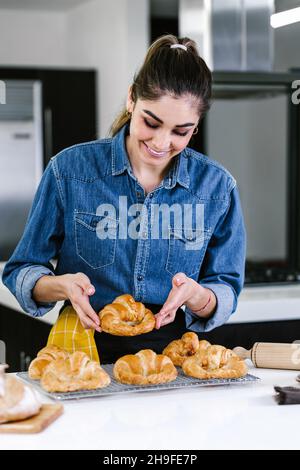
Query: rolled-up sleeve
223	268
40	243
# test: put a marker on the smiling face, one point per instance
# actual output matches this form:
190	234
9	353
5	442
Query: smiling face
161	129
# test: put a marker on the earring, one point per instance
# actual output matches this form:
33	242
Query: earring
128	114
196	131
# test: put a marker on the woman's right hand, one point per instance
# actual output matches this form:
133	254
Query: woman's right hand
78	288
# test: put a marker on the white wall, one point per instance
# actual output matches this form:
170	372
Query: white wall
32	38
111	37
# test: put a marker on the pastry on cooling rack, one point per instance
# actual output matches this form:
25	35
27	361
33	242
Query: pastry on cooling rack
214	362
17	400
180	349
44	357
76	372
144	368
126	317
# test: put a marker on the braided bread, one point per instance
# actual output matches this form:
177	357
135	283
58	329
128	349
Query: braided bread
180	349
76	372
214	362
17	400
44	357
126	317
144	368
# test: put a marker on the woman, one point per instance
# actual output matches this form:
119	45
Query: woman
97	206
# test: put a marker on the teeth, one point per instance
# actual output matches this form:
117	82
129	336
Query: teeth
159	154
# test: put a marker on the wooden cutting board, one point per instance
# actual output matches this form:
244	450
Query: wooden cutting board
46	416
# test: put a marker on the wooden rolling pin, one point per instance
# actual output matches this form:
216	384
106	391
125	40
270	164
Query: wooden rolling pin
272	355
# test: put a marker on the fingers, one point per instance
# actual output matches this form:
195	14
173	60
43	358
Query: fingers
85	320
179	279
83	281
177	297
88	317
80	301
90	290
164	318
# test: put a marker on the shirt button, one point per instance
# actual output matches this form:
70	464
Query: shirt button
144	234
140	278
151	195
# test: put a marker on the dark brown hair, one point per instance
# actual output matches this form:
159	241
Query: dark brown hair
170	70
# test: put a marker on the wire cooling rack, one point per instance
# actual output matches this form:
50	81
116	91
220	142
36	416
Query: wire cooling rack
182	381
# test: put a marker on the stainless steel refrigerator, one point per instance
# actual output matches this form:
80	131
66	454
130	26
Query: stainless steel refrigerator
21	158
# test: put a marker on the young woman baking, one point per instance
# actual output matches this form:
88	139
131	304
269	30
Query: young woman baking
95	209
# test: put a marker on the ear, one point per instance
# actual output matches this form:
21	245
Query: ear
129	101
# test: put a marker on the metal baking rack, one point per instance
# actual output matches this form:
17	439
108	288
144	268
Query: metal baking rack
182	381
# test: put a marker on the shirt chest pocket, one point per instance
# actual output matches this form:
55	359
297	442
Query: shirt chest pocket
186	250
95	238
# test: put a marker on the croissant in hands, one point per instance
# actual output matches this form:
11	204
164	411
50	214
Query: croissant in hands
144	368
44	357
76	372
126	317
214	362
180	349
17	400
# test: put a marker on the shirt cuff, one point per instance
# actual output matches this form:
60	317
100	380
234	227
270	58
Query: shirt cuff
226	304
25	283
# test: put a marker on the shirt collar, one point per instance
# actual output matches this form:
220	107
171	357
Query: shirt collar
120	162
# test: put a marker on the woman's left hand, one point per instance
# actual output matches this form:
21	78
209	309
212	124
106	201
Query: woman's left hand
183	289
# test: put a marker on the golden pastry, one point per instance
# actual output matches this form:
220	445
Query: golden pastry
126	317
214	362
144	368
44	357
180	349
76	372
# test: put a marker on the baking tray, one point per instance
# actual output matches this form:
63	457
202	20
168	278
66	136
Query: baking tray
182	381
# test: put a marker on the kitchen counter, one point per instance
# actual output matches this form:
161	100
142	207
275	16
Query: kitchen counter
218	417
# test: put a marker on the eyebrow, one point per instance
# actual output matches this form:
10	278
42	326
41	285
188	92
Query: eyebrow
187	124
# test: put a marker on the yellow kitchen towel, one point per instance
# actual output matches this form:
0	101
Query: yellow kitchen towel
69	334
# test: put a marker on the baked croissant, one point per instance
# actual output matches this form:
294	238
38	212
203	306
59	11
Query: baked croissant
214	362
76	372
126	317
44	357
180	349
144	368
17	400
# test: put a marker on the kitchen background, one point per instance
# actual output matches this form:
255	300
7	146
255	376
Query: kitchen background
66	66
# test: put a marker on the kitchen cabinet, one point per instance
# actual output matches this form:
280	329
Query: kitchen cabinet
23	337
246	334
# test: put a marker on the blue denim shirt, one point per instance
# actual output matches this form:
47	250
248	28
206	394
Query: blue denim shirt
65	223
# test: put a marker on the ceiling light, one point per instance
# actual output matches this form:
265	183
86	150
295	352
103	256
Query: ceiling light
285	18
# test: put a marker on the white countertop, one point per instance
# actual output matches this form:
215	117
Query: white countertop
218	417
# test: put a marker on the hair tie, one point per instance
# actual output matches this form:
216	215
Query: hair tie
178	46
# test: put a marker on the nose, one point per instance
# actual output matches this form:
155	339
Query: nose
161	142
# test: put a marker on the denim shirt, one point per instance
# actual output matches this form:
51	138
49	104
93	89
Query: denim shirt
72	221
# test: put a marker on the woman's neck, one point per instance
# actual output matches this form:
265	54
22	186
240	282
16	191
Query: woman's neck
147	175
148	179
